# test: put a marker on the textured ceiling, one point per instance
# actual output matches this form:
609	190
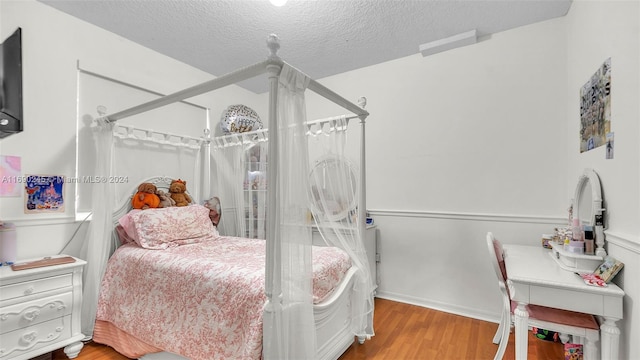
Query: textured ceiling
321	37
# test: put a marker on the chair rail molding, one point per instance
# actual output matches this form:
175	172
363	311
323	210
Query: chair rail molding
623	241
537	219
24	222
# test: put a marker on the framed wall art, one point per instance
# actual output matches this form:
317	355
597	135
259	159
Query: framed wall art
595	108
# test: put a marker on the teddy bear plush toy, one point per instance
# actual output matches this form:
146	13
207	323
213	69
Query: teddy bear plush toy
165	199
146	197
178	190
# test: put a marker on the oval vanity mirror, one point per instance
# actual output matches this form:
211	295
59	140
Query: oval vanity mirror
587	201
584	201
587	205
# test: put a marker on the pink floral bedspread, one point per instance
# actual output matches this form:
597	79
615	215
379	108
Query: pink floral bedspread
204	300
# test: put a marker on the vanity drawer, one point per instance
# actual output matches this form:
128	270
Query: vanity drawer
25	340
34	312
35	286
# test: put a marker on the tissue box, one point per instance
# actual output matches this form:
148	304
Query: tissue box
573	352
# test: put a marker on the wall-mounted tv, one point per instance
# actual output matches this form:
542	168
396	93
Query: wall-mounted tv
11	120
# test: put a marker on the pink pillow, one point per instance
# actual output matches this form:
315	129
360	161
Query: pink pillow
169	227
123	236
127	225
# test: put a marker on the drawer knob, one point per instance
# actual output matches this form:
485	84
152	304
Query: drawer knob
29	290
29	337
31	315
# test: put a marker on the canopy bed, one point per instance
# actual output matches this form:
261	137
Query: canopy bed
293	320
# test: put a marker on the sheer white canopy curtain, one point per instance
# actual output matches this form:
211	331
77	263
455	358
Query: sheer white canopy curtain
97	248
288	316
239	178
137	155
334	189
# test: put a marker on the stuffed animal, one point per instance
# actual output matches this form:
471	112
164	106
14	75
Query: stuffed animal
178	190
215	210
165	199
146	197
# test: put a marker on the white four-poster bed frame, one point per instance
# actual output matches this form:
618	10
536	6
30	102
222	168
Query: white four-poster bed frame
334	334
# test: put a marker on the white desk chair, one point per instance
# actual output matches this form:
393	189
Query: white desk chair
580	326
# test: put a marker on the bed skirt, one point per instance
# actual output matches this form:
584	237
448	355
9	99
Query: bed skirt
126	344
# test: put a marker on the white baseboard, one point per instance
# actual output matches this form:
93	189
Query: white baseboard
444	307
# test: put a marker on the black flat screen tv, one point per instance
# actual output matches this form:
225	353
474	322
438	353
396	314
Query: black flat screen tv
11	120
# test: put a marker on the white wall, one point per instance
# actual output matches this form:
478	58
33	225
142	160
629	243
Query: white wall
458	144
53	44
597	30
448	126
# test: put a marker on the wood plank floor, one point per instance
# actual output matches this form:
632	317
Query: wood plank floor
407	332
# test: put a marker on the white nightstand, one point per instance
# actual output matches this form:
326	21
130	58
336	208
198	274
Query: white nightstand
40	310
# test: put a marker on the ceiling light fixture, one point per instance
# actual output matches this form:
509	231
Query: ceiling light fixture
278	2
452	42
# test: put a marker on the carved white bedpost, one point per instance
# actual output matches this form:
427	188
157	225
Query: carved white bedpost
362	201
205	177
273	43
102	110
272	343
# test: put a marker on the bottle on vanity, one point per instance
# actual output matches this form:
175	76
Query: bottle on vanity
576	245
589	241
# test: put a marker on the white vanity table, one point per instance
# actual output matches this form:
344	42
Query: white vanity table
535	278
548	277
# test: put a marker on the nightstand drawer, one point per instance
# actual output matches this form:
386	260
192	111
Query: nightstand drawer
34	312
35	286
28	339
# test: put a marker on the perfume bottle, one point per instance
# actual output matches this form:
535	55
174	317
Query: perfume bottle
576	230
